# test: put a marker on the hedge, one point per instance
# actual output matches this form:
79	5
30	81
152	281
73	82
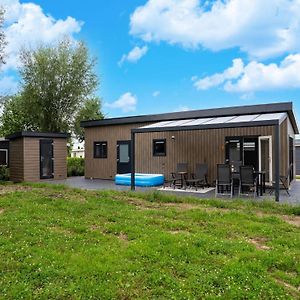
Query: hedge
75	166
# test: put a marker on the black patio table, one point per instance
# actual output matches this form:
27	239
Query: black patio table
260	177
261	181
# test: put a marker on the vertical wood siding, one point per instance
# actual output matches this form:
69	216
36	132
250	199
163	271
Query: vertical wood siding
193	147
25	159
16	161
284	147
105	168
60	158
198	146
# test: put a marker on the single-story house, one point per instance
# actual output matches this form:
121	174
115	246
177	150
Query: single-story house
258	135
34	156
298	157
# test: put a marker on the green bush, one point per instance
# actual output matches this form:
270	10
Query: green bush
75	166
4	173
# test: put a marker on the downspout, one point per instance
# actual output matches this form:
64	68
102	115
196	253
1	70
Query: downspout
132	154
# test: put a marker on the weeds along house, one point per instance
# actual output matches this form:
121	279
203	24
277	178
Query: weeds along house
258	135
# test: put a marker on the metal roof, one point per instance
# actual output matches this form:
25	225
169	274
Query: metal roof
217	122
35	134
196	114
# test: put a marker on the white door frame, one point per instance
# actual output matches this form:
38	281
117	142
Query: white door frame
269	137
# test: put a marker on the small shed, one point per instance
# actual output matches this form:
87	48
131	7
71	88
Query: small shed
34	156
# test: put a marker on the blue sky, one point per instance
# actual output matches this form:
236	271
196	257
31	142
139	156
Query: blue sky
177	55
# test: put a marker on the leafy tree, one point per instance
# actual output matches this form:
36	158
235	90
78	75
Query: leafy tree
16	116
56	82
90	111
2	37
57	89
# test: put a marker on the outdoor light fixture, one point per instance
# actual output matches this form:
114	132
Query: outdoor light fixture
173	137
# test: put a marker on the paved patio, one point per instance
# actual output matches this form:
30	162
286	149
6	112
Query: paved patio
98	184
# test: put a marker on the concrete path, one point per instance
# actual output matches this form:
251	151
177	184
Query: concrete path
98	184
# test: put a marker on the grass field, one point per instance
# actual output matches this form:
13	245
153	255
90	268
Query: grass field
60	243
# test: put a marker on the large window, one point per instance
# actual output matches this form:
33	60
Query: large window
100	149
159	147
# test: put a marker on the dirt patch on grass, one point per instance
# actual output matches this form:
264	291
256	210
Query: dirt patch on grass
4	189
259	243
179	231
181	206
1	211
293	290
293	220
139	204
123	237
61	230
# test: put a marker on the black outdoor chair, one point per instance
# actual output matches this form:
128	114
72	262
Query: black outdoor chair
224	182
199	178
284	181
248	181
179	177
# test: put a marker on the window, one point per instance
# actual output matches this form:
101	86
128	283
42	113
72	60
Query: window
3	157
159	147
100	149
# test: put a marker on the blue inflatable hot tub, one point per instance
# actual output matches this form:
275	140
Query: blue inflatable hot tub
140	179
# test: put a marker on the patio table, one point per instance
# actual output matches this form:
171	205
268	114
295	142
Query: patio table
260	177
261	182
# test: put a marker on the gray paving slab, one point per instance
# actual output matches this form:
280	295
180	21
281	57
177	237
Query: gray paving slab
99	184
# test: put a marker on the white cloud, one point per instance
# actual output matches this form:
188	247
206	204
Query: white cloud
127	102
134	55
27	25
256	76
155	94
231	73
8	85
261	28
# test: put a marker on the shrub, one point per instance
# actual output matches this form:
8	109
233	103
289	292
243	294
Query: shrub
4	173
75	166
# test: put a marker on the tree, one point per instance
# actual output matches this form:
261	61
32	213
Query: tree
3	42
57	87
15	116
56	83
90	111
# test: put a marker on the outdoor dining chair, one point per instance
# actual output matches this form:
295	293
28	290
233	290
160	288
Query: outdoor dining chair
178	177
199	178
224	182
284	181
248	181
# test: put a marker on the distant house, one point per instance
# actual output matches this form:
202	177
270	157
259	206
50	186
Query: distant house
258	135
78	151
298	157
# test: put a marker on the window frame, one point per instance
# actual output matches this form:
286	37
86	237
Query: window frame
100	156
153	147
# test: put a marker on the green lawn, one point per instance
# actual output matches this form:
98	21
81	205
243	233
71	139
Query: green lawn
59	243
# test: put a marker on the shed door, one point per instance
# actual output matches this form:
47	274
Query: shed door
123	157
46	159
